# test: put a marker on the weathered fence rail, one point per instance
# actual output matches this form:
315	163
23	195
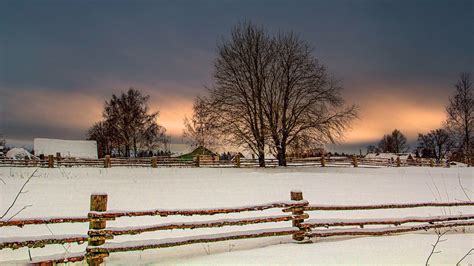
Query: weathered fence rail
49	220
383	231
99	235
205	161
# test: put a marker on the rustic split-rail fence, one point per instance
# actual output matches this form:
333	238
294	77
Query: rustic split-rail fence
297	211
209	161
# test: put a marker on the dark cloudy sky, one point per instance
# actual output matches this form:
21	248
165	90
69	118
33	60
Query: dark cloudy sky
60	60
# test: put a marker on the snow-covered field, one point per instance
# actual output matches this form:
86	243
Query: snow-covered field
66	192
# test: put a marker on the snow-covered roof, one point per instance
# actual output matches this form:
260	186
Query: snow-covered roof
18	154
86	149
382	155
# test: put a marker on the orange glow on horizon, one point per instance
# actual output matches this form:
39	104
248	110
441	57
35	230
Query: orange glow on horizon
172	115
389	113
379	115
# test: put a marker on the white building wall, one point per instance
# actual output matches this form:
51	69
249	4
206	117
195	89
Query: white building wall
86	149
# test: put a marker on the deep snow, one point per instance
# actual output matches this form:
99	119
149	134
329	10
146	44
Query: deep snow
66	192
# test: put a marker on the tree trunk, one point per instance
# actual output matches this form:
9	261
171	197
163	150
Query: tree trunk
127	150
281	155
261	158
135	147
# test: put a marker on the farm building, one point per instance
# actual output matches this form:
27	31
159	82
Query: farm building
85	149
199	151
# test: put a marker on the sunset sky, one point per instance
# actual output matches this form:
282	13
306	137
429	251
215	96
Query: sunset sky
60	60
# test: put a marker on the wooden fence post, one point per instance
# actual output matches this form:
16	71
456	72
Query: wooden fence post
297	195
107	163
154	162
354	161
323	161
41	157
399	162
50	161
237	160
431	163
98	204
58	158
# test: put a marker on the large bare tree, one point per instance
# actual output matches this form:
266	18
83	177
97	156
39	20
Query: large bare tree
271	92
241	72
460	115
301	101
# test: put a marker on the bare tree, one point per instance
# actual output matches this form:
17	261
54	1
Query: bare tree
200	130
396	142
3	143
152	137
128	125
2	140
372	149
460	115
435	144
385	144
399	142
103	133
241	71
272	92
301	101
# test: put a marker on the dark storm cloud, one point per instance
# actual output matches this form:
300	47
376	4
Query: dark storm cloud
409	50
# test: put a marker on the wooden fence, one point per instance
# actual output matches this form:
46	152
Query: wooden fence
206	161
296	211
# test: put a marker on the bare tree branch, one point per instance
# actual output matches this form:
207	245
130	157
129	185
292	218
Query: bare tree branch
19	193
467	254
438	240
18	212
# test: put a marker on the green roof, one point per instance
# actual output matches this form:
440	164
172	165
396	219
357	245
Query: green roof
198	151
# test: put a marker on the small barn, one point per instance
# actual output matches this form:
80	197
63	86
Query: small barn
84	149
199	151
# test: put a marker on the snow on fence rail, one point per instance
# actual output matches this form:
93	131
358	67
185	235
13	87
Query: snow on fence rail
40	241
48	220
107	162
301	228
383	231
385	206
190	212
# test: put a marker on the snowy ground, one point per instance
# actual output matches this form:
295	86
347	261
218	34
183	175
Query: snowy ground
66	192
